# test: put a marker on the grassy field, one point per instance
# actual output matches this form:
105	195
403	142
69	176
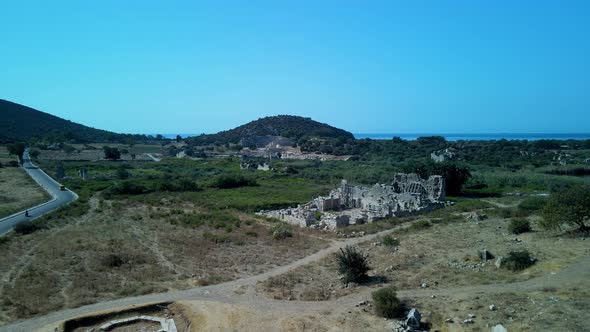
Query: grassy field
18	191
5	157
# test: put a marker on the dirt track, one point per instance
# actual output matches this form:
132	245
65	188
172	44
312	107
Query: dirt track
242	292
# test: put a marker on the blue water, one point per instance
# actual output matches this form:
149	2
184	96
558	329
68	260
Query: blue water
479	137
454	137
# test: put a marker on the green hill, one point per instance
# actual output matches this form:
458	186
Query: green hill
22	123
301	130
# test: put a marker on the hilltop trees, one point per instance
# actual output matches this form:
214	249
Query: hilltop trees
568	207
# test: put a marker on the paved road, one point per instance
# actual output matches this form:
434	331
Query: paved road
59	197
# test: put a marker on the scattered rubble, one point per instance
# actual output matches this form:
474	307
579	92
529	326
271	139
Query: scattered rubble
499	328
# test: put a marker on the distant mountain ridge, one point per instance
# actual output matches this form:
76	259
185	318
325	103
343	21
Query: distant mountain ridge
297	128
22	123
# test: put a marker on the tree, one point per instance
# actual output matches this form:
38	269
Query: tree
178	138
16	149
352	264
34	153
111	153
60	171
122	172
68	149
570	206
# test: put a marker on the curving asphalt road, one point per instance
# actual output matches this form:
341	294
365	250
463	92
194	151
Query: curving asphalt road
59	197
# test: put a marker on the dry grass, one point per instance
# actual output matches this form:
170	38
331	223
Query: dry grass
5	157
442	256
531	311
124	250
18	191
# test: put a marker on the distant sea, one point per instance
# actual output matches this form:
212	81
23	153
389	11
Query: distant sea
478	137
454	137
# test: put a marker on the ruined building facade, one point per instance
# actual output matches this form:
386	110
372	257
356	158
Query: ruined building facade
348	204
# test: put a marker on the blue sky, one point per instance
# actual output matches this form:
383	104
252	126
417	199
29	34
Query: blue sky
366	66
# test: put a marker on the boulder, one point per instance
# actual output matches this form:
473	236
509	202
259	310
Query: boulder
413	319
499	261
485	255
474	216
499	328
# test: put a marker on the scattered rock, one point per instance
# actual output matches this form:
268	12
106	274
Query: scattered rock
471	315
485	255
413	319
499	262
492	307
499	328
449	320
424	285
474	216
468	321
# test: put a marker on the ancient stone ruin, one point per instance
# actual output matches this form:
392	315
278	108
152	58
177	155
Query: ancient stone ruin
348	204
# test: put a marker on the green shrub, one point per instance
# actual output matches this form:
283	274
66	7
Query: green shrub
519	225
228	181
127	188
113	260
29	227
389	241
532	205
386	303
419	225
318	215
353	264
216	238
180	185
518	260
281	231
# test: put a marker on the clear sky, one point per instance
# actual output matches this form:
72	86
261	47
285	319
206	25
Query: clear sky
390	66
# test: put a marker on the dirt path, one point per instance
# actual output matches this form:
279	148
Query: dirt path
242	291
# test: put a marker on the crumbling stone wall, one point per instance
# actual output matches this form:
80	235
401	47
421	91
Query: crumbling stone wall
348	204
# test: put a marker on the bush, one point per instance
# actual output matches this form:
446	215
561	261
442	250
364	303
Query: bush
532	205
29	227
180	185
568	207
389	241
113	260
353	264
216	238
280	232
127	188
386	303
228	181
518	260
519	225
420	225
